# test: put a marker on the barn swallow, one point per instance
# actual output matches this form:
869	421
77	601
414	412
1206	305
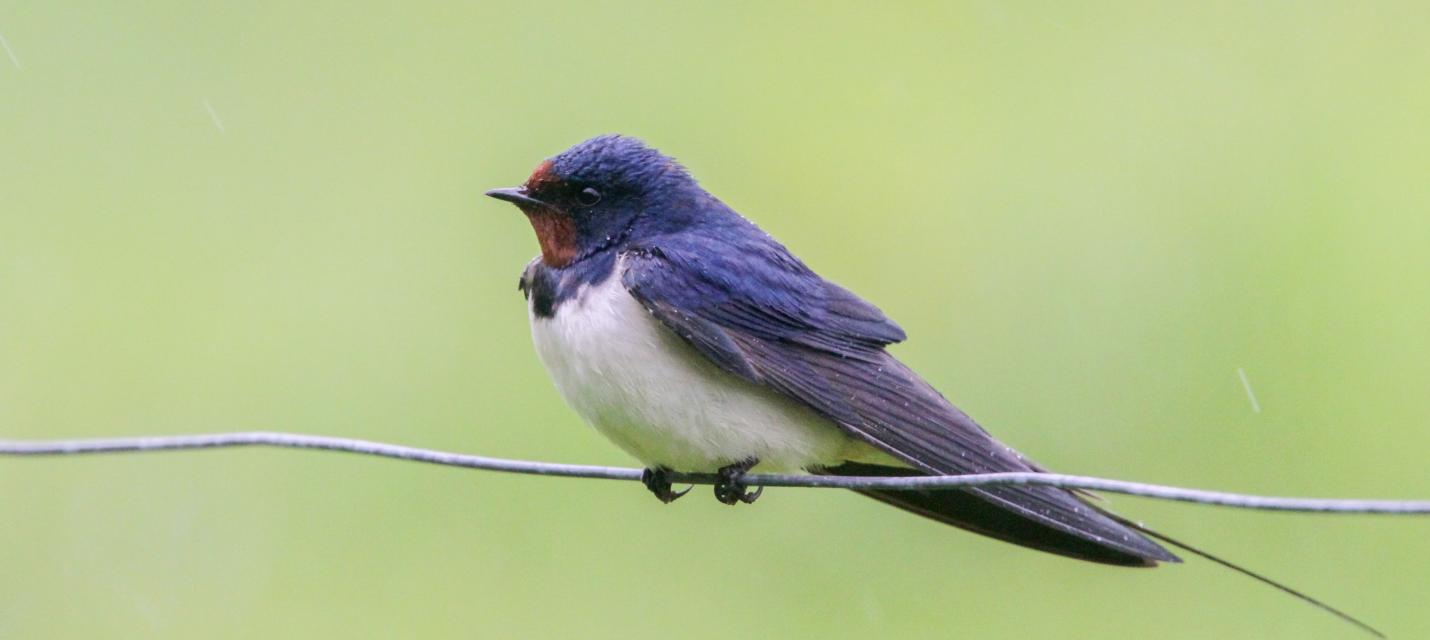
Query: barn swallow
698	343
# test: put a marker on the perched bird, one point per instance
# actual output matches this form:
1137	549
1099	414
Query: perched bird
698	343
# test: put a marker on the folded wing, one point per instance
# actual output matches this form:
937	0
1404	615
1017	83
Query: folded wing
776	323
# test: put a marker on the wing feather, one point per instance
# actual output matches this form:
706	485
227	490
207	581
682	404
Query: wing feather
782	326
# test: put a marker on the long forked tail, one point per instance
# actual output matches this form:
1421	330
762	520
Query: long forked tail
1102	539
1250	574
967	511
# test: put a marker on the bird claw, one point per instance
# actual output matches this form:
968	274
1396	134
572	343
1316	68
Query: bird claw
658	481
730	489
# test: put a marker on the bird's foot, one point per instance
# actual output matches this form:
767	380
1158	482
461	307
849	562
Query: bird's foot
658	481
731	489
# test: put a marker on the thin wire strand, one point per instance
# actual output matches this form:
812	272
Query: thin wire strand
444	458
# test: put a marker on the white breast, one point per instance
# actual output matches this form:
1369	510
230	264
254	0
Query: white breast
637	383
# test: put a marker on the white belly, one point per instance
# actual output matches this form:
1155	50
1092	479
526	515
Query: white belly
653	395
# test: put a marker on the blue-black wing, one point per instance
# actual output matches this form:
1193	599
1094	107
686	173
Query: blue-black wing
761	314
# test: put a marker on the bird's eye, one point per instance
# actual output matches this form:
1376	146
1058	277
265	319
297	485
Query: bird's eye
588	197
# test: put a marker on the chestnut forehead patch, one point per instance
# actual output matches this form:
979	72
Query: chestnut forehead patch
542	175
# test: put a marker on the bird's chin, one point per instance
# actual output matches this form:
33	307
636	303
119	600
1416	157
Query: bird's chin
556	234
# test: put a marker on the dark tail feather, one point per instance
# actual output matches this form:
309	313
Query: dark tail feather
1251	574
968	511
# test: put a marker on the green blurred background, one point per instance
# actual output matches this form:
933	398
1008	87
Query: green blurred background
229	216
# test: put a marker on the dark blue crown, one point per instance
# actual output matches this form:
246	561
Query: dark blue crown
618	161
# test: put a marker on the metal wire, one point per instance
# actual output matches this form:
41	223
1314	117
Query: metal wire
444	458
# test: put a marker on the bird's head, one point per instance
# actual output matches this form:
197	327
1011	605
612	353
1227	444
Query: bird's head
590	197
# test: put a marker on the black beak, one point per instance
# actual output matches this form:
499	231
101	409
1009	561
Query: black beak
517	196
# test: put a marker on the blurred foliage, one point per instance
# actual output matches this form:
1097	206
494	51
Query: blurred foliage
1088	216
